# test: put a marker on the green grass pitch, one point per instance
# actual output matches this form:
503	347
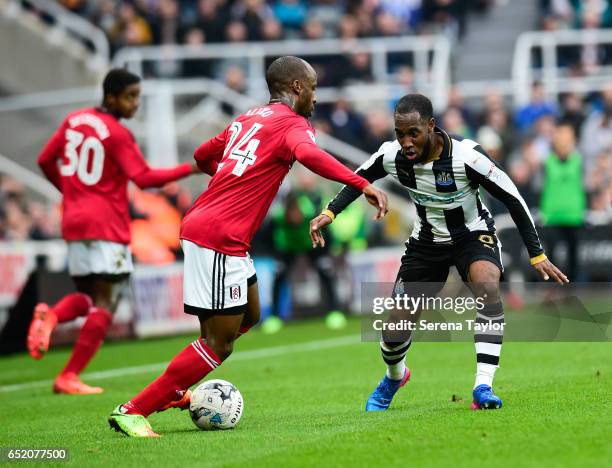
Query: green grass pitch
304	392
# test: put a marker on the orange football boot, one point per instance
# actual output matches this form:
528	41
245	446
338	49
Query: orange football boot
71	384
43	323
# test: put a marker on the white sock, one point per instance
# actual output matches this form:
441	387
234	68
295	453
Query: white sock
484	374
395	370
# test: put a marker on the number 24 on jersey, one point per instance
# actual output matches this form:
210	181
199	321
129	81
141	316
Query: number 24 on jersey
244	150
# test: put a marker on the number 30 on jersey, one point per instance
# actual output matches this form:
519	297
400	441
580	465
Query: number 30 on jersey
244	157
79	151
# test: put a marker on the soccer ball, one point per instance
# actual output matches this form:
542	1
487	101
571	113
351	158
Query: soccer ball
216	404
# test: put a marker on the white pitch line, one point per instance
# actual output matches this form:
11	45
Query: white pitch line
238	356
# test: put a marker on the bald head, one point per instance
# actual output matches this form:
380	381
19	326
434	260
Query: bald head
284	71
293	81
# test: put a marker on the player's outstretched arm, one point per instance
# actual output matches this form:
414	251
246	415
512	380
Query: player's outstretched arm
374	197
157	177
371	170
126	153
480	169
324	164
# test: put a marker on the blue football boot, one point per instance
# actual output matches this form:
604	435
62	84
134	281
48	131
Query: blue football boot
484	398
381	397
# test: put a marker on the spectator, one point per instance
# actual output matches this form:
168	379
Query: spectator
212	19
358	69
388	25
407	12
271	30
572	111
538	106
455	100
130	29
194	67
452	121
563	202
234	80
544	129
521	174
599	184
596	135
592	55
290	13
498	120
252	14
447	16
167	25
328	12
235	32
314	29
348	28
346	124
291	224
377	131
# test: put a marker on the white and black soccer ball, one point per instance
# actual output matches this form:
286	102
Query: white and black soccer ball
216	404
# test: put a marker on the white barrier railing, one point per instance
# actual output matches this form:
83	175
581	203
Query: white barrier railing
430	75
554	77
31	179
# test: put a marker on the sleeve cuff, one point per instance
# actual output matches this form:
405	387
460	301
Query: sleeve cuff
539	259
329	213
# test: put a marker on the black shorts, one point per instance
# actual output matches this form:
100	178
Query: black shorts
431	263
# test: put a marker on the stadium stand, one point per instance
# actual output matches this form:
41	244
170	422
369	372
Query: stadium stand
518	134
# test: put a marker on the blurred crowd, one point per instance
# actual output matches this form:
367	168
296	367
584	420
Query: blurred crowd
532	143
23	218
587	15
145	22
522	141
156	217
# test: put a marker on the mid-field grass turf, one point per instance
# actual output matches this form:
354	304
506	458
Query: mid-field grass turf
304	392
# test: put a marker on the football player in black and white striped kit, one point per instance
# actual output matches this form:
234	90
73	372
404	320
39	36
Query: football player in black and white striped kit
442	174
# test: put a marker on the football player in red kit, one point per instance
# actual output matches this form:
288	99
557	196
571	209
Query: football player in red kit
90	159
249	160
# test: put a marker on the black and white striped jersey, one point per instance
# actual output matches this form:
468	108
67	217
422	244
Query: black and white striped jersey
445	192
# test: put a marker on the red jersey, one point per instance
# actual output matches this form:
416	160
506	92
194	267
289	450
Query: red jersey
90	159
249	160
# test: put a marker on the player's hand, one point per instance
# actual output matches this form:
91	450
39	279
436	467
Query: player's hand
547	270
195	169
378	199
316	236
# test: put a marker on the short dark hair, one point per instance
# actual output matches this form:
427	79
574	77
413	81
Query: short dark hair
415	103
283	71
117	80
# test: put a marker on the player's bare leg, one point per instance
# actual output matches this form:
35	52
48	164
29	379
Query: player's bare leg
483	280
104	292
253	310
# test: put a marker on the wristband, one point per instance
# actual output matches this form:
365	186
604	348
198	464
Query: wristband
329	213
539	259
